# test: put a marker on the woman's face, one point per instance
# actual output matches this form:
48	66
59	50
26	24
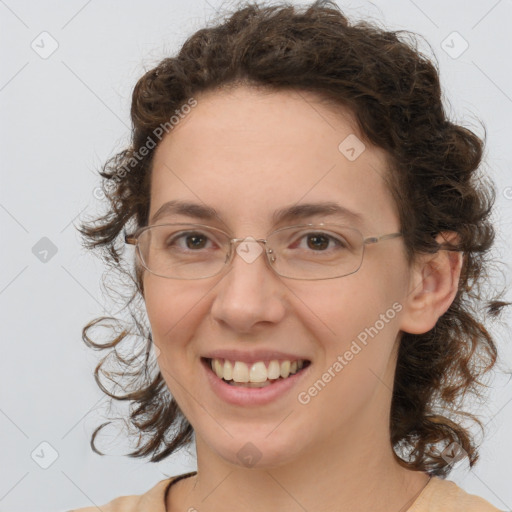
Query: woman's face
247	154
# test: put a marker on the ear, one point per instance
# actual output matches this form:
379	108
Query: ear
433	284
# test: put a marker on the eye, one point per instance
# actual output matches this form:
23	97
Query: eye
320	241
193	240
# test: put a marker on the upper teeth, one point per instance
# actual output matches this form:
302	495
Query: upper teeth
256	372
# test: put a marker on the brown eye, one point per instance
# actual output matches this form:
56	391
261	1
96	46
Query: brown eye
318	241
195	241
190	240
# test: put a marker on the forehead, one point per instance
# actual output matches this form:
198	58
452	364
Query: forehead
247	153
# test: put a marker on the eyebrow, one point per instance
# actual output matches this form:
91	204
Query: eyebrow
287	214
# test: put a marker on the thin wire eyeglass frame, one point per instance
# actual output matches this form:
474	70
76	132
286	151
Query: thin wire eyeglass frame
233	242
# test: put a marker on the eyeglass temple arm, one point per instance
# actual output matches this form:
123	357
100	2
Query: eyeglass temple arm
129	239
375	239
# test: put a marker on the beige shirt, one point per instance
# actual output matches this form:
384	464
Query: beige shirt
438	496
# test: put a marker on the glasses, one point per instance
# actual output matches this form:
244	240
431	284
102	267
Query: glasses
306	251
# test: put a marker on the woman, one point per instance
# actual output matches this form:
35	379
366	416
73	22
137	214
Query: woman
309	237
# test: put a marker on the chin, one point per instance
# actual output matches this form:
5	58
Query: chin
245	449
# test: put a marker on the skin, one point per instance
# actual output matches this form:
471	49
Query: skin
246	153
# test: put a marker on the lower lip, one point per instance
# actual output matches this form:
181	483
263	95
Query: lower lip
238	395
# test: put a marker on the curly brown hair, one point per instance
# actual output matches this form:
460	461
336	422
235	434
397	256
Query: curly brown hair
393	90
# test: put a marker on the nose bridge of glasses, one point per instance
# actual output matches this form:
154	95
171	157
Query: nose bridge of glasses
249	248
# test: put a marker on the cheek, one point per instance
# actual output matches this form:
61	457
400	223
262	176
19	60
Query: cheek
356	348
172	309
357	319
338	310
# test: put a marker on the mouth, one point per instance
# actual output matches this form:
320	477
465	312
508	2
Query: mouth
259	374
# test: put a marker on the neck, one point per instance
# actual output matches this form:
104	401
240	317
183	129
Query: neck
355	475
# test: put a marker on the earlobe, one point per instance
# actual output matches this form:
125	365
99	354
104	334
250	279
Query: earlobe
434	284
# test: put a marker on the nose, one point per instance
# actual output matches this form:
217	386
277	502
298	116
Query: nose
249	294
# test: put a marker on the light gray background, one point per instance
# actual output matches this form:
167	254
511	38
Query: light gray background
61	117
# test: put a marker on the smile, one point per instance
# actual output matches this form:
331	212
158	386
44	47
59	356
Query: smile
238	387
257	374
